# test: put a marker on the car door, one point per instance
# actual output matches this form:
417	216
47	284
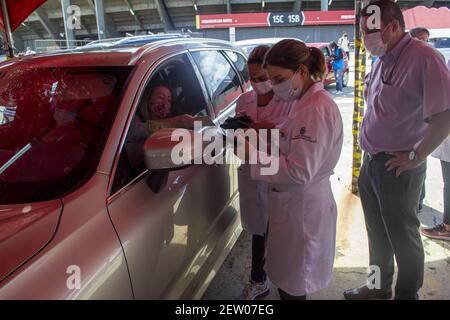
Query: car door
169	231
222	80
329	78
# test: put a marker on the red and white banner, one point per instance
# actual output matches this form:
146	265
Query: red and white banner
273	19
329	17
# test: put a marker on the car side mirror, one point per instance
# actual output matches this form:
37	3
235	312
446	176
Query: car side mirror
159	149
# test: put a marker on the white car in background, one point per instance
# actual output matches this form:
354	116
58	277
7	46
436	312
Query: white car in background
440	38
249	45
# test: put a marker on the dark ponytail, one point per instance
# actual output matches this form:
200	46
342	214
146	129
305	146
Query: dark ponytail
316	65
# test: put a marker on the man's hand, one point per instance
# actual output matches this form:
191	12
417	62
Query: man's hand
400	162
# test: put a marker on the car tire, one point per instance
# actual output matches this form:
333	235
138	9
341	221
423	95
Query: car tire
345	79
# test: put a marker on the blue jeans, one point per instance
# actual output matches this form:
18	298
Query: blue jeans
339	74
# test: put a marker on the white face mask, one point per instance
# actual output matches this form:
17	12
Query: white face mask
374	44
262	88
286	92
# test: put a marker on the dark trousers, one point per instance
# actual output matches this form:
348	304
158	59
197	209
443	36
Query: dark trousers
286	296
258	258
446	175
423	193
390	209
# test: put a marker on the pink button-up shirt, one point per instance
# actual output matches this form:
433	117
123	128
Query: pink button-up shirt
405	88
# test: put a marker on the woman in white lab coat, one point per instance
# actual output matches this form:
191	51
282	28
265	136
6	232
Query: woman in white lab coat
302	209
262	107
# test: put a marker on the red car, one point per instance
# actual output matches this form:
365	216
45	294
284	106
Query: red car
329	79
83	214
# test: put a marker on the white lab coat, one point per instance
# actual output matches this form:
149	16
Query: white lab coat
302	209
252	193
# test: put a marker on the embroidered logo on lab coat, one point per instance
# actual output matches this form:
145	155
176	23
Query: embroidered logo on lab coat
304	136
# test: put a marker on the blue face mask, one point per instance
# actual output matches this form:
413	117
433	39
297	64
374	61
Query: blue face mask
286	92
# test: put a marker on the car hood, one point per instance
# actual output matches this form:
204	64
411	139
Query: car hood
24	230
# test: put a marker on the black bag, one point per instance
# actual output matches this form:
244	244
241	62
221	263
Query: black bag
239	122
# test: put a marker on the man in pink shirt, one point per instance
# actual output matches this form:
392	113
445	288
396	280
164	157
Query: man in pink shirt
408	116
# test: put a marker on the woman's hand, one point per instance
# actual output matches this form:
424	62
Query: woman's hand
206	120
185	121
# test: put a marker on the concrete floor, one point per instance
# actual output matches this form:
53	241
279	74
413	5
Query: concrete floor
351	258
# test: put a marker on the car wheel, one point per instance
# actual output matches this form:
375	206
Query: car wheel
345	79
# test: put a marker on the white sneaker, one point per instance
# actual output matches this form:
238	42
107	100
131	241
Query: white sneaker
254	290
339	92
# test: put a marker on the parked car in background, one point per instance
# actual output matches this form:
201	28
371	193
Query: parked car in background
83	215
249	45
142	40
99	43
440	39
442	44
131	41
330	79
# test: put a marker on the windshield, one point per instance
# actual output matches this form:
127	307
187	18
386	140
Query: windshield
441	43
53	124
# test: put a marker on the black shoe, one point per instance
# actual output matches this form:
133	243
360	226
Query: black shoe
364	293
400	296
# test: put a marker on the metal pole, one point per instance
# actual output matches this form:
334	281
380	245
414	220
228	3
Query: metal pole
100	16
9	42
68	28
358	110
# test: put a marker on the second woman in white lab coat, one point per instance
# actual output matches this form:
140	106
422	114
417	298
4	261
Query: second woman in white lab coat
262	107
302	209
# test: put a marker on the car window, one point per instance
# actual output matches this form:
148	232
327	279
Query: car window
441	43
172	92
240	63
220	78
53	125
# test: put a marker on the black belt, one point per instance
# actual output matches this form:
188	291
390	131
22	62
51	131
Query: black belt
378	156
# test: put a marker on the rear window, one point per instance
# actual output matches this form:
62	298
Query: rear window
53	125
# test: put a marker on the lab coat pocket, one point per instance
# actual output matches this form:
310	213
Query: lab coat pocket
280	205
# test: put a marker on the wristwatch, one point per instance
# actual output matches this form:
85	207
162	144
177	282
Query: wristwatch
412	155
